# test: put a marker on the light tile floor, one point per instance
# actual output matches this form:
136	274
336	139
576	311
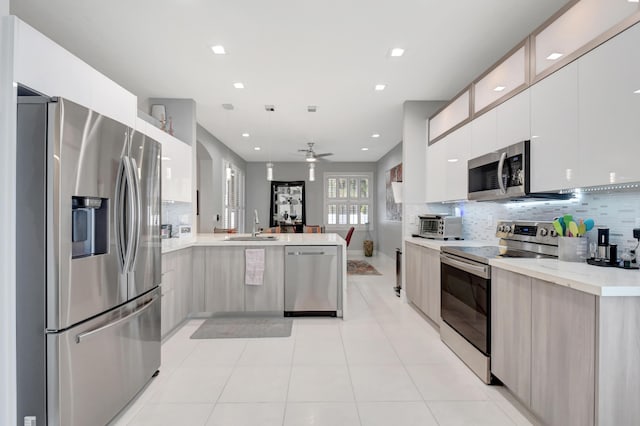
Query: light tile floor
384	366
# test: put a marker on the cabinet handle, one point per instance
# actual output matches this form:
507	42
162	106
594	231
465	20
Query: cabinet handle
306	253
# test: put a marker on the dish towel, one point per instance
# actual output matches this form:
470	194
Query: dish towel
254	266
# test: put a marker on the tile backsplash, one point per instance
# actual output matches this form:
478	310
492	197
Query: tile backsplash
176	213
620	212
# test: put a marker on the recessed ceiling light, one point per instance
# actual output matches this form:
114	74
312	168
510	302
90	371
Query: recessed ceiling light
256	148
227	106
452	160
245	135
380	87
554	56
238	85
499	88
637	92
364	149
375	135
397	52
218	50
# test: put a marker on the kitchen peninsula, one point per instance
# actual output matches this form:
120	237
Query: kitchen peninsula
205	275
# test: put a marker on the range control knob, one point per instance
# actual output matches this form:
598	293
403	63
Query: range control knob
507	228
553	233
544	232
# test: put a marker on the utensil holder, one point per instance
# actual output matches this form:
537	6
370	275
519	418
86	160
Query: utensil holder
572	249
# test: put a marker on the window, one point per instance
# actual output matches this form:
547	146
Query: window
348	200
233	196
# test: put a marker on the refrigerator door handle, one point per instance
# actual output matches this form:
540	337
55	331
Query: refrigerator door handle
132	215
119	215
138	212
87	334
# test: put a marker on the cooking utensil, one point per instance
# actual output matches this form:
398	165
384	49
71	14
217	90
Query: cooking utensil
589	223
563	225
558	228
573	229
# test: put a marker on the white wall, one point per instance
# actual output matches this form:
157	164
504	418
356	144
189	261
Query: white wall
4	7
212	152
259	191
389	232
7	218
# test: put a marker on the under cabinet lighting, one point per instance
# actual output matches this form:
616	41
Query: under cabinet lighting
397	52
380	87
499	88
256	148
245	135
375	135
554	56
238	85
218	50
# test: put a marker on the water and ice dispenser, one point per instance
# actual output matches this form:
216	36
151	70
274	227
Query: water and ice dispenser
90	226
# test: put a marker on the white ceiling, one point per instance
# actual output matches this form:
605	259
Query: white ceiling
291	53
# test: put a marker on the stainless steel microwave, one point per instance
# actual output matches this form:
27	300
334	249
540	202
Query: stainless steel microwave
504	175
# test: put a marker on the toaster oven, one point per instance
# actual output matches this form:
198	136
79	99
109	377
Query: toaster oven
440	227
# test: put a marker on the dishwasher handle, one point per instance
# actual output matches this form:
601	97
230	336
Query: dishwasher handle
308	253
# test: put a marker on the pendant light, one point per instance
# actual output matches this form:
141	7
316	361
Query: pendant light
269	172
312	172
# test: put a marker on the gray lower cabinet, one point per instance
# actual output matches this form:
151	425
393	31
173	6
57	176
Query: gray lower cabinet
197	293
511	331
543	346
563	354
224	281
176	289
413	275
423	279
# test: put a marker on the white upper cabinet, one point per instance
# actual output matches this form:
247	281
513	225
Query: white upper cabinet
609	110
512	118
484	134
506	77
554	131
437	171
449	117
457	151
176	163
566	37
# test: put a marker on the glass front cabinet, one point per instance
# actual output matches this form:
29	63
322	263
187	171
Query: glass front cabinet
288	205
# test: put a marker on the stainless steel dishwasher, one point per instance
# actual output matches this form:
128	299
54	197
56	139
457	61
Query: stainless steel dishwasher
311	283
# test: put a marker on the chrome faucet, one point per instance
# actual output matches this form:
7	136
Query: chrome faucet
256	222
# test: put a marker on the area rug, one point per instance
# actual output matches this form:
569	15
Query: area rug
361	267
221	327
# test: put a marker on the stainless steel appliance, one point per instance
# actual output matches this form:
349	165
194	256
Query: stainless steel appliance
311	284
466	287
503	175
88	262
440	227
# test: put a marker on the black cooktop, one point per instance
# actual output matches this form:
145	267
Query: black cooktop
482	254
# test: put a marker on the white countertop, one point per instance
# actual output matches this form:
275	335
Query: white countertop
436	244
210	240
591	279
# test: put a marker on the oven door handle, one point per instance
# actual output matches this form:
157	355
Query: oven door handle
503	157
480	271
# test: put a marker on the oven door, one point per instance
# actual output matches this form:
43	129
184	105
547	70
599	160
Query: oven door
465	299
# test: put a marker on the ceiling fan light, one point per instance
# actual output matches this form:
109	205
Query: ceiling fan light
312	172
310	159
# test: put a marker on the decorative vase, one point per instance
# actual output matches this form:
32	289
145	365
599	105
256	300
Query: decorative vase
367	246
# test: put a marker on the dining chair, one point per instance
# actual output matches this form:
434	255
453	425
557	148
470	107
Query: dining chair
349	234
272	230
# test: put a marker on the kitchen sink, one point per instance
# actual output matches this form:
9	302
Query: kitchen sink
256	238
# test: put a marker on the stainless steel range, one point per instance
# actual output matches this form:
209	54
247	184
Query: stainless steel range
466	287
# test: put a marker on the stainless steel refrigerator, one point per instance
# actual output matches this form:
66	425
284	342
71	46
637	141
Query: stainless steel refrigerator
88	262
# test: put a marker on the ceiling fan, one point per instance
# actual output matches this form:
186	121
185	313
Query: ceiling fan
311	155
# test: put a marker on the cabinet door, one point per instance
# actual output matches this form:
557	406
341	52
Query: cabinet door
176	170
563	354
555	153
168	303
457	147
184	283
436	171
609	108
197	292
484	134
268	297
224	279
511	331
413	273
431	283
512	118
